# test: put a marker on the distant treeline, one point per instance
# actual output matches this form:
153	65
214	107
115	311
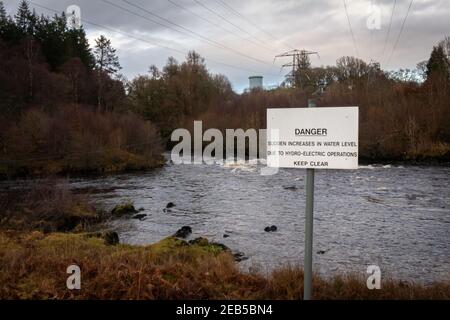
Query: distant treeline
404	115
59	97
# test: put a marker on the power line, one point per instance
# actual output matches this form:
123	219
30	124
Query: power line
240	15
199	36
227	20
389	29
143	17
351	28
216	24
400	33
154	43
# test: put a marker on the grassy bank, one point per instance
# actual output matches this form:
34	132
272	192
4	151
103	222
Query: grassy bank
48	206
48	228
34	267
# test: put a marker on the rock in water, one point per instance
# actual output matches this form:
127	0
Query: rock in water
271	229
183	233
170	205
239	256
123	209
139	216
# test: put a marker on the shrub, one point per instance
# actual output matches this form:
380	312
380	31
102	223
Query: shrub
76	139
47	206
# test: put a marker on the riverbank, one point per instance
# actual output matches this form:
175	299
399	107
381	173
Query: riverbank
130	163
45	230
127	163
34	267
363	217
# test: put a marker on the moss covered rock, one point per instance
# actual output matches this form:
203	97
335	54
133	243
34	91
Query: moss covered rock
124	209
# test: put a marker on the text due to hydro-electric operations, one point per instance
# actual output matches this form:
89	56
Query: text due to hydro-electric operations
322	138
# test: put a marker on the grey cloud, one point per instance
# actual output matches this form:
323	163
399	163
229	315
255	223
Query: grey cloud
319	25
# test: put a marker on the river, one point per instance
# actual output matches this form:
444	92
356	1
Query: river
396	217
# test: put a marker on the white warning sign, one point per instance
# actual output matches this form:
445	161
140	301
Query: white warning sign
319	138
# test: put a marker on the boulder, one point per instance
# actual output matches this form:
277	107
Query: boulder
239	256
139	216
271	229
170	205
183	233
123	209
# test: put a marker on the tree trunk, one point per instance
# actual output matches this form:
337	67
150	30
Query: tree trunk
99	93
30	68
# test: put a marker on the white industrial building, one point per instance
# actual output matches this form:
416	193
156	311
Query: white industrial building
255	82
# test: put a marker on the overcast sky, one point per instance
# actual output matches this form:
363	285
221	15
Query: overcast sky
243	42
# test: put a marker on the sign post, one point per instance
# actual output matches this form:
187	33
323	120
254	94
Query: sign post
312	138
309	219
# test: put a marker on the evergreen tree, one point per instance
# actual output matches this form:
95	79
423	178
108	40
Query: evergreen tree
78	46
106	59
25	19
3	18
106	63
438	64
51	33
8	29
446	45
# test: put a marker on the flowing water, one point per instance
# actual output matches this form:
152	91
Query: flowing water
396	217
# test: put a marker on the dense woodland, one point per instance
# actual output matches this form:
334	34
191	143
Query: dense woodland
60	102
64	107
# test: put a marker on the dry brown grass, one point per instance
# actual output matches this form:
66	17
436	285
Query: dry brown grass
33	266
48	206
287	283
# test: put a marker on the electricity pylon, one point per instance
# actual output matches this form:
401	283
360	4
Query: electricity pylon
300	61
